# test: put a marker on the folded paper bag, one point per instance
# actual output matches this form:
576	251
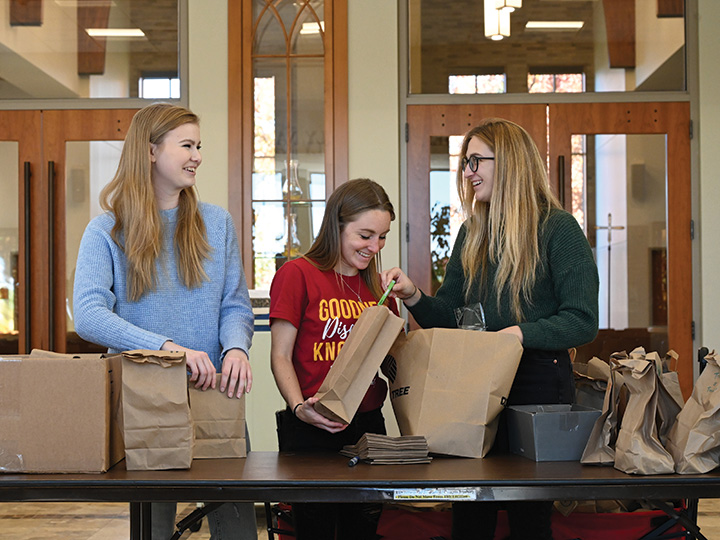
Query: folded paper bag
219	423
156	424
349	378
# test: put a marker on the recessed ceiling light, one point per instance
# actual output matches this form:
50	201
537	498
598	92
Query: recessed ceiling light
115	32
554	25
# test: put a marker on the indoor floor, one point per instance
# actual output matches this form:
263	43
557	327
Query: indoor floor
109	521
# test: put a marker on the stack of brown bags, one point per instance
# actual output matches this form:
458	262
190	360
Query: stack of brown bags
645	426
385	450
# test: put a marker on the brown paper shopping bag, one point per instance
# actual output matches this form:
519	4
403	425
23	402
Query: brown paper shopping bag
156	424
638	449
694	440
670	399
349	378
450	386
600	448
219	423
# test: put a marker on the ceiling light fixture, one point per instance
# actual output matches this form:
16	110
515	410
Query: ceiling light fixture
85	3
497	21
115	32
508	5
554	25
312	28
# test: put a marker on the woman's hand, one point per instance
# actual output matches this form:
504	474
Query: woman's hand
202	370
237	372
307	413
404	288
514	330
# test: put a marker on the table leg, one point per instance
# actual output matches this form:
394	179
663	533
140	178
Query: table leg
140	521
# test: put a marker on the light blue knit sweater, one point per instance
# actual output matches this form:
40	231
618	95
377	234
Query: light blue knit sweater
215	317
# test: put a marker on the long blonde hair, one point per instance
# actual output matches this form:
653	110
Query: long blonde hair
138	228
505	230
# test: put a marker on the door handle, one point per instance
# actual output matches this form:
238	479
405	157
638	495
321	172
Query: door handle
561	180
51	252
27	176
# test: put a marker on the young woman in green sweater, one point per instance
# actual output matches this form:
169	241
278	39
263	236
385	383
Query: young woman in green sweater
530	265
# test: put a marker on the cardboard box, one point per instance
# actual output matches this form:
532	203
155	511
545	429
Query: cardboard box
550	432
55	413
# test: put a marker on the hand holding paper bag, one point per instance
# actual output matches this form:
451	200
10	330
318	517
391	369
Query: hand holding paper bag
358	362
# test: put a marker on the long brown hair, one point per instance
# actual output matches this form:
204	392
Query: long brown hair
505	230
131	198
344	206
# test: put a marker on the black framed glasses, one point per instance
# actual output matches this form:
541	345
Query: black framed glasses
474	161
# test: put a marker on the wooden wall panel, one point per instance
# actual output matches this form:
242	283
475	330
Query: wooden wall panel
620	28
26	13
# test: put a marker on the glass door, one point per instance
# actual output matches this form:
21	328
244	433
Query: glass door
54	163
435	135
21	234
624	172
82	150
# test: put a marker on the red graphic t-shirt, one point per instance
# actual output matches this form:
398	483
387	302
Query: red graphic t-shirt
324	309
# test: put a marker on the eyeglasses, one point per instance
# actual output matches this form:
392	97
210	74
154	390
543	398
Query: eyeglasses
474	161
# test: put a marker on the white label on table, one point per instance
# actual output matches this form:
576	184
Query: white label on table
436	494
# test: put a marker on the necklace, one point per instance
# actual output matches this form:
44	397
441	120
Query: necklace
356	293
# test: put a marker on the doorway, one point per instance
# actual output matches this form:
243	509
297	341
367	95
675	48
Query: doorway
56	161
623	170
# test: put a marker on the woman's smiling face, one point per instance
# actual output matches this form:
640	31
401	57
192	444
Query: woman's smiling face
361	240
482	180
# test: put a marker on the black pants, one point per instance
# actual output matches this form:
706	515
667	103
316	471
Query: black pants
543	377
328	521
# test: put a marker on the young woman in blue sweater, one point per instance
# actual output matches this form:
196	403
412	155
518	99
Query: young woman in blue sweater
162	271
530	265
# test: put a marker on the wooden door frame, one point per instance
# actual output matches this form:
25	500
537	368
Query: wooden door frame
425	121
60	127
673	120
24	127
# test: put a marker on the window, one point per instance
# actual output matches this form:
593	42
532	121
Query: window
292	115
88	49
620	46
477	84
548	83
578	178
159	87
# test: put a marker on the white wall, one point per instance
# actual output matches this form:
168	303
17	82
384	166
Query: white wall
208	92
656	38
709	142
42	60
374	114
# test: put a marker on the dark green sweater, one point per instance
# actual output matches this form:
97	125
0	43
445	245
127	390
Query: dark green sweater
563	312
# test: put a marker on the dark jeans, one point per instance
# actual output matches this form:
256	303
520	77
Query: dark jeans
543	377
323	521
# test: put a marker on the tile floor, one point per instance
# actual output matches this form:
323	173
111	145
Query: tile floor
109	521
